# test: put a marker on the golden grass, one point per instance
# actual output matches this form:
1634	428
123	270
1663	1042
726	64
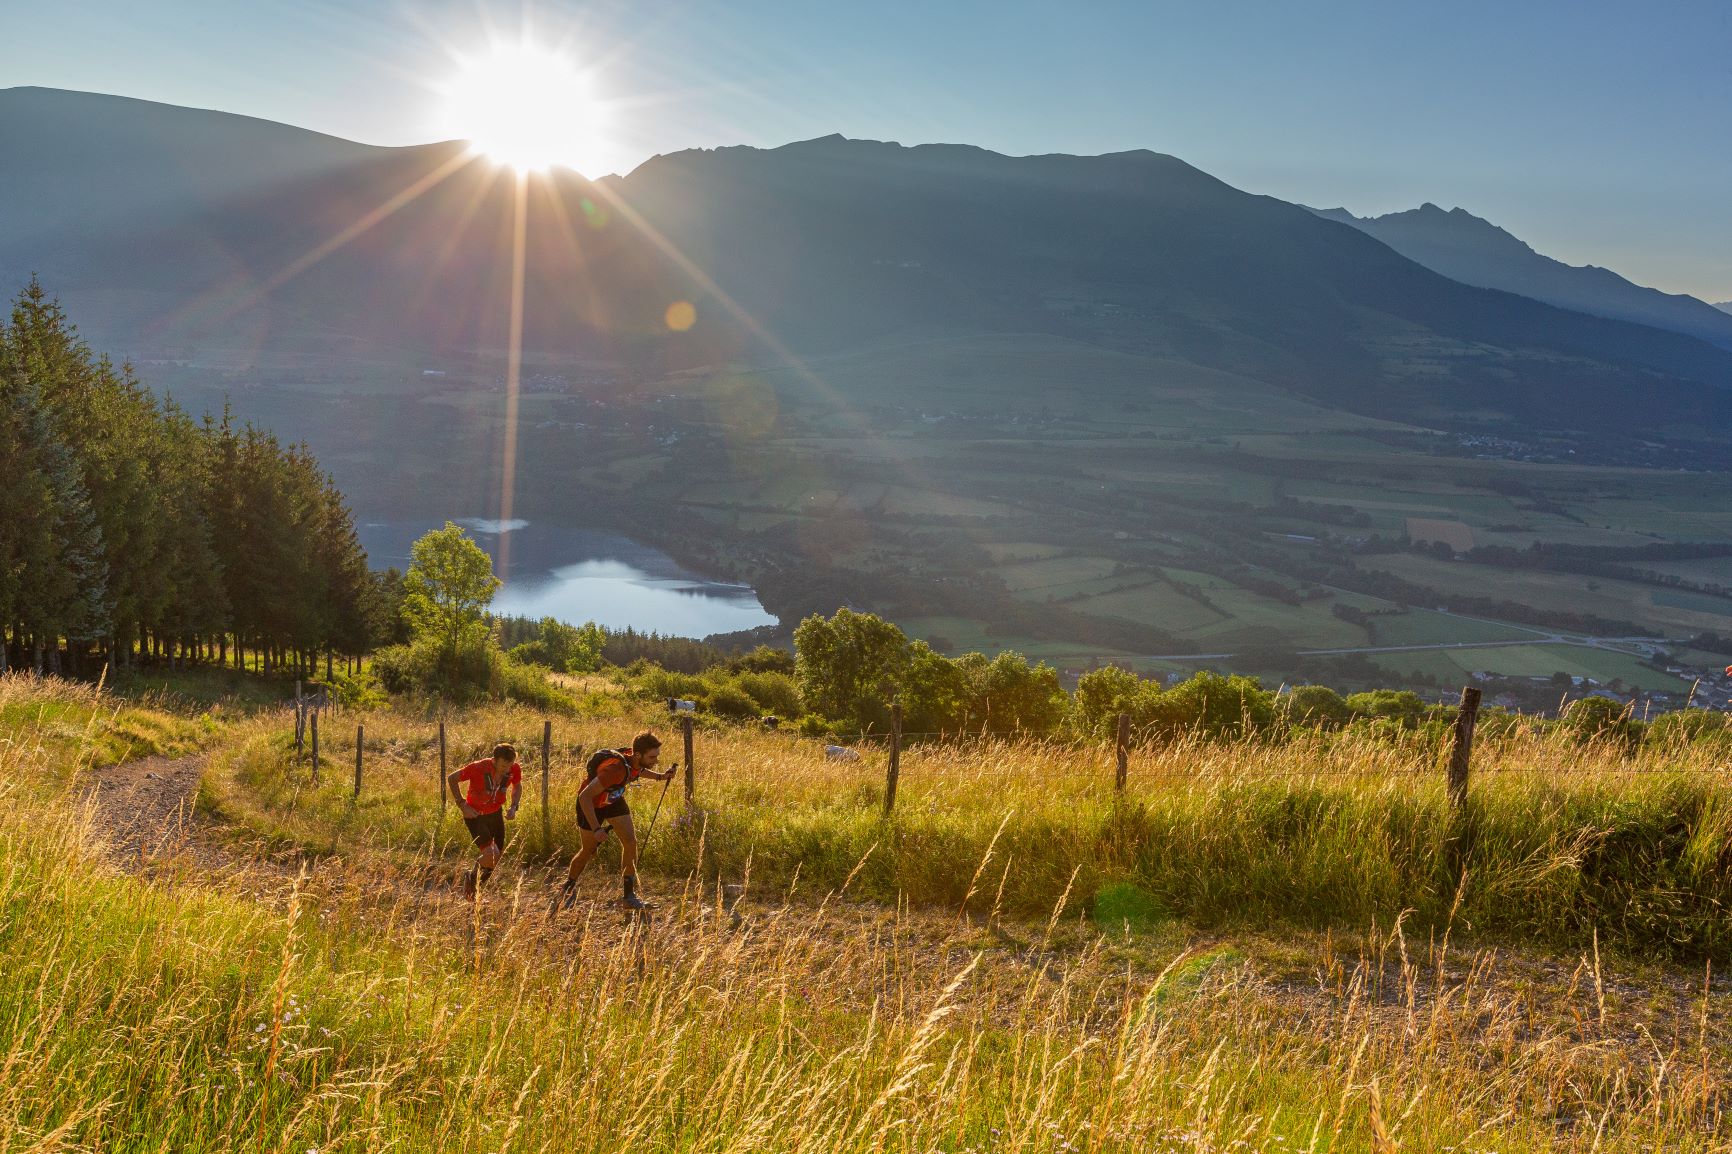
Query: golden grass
235	1006
1562	841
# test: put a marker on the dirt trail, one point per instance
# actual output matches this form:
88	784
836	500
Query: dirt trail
145	814
146	809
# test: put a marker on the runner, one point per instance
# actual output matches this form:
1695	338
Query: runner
488	781
601	803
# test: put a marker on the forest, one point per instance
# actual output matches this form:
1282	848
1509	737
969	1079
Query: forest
130	528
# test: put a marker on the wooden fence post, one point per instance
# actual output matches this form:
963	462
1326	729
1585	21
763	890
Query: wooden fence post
444	790
691	774
1461	749
893	769
1122	748
300	722
360	736
546	814
315	747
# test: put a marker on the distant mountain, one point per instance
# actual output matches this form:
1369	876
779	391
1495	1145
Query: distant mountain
1724	306
183	228
1474	251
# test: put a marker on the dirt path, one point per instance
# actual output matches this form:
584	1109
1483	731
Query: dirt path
145	809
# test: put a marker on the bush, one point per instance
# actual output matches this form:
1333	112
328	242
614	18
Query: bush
1215	706
1316	706
478	672
773	692
764	659
660	684
1398	706
360	691
728	700
1102	694
529	685
1690	725
1600	718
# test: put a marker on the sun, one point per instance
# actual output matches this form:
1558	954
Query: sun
525	106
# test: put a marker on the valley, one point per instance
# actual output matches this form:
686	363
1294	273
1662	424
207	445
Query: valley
1078	504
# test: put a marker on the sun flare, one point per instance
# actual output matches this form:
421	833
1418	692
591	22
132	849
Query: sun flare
524	106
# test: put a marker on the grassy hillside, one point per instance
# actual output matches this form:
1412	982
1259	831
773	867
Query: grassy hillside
1565	841
224	1001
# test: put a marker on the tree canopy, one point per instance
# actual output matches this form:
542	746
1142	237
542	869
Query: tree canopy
129	529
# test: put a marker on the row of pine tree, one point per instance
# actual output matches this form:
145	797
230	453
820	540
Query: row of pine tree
131	531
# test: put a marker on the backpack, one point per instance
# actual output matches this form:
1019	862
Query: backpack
600	757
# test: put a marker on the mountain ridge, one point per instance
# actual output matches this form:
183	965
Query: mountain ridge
824	245
1473	250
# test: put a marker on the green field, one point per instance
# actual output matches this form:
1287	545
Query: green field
1450	666
1622	600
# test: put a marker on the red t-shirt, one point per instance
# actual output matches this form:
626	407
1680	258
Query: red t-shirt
487	787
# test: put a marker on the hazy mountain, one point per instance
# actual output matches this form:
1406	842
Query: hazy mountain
1474	251
1724	306
185	227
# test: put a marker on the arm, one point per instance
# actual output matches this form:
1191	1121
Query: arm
516	796
452	780
664	774
586	803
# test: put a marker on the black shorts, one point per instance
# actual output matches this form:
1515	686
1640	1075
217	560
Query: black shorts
487	827
603	813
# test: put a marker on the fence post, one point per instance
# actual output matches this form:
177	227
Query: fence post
315	747
360	736
1461	749
691	774
546	814
300	722
893	769
444	790
1122	747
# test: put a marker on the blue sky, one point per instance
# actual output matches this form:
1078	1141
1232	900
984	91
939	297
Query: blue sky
1599	132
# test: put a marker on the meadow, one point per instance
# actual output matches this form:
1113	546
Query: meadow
1564	841
227	995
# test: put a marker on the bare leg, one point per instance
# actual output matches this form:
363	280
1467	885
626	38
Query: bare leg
588	843
627	845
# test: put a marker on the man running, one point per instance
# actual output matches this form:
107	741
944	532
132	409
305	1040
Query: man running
601	803
488	780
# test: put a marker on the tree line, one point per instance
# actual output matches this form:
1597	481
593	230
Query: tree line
131	531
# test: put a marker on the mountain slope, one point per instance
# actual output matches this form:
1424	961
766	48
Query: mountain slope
821	246
1474	251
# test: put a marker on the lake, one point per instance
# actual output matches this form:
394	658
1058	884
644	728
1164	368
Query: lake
579	575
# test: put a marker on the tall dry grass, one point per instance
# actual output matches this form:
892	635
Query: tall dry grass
353	1008
1562	842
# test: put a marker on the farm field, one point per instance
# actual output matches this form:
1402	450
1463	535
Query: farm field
1014	492
1625	600
1450	666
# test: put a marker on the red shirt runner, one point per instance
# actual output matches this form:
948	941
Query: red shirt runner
487	786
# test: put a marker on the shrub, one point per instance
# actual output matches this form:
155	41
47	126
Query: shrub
1600	718
358	691
1690	725
764	659
729	700
1398	706
1216	706
773	692
472	673
1317	706
529	685
657	683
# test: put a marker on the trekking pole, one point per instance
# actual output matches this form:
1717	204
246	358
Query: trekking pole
644	844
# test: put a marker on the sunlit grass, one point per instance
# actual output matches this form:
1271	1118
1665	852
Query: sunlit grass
358	1009
1561	841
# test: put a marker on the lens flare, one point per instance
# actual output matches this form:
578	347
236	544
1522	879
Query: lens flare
681	315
